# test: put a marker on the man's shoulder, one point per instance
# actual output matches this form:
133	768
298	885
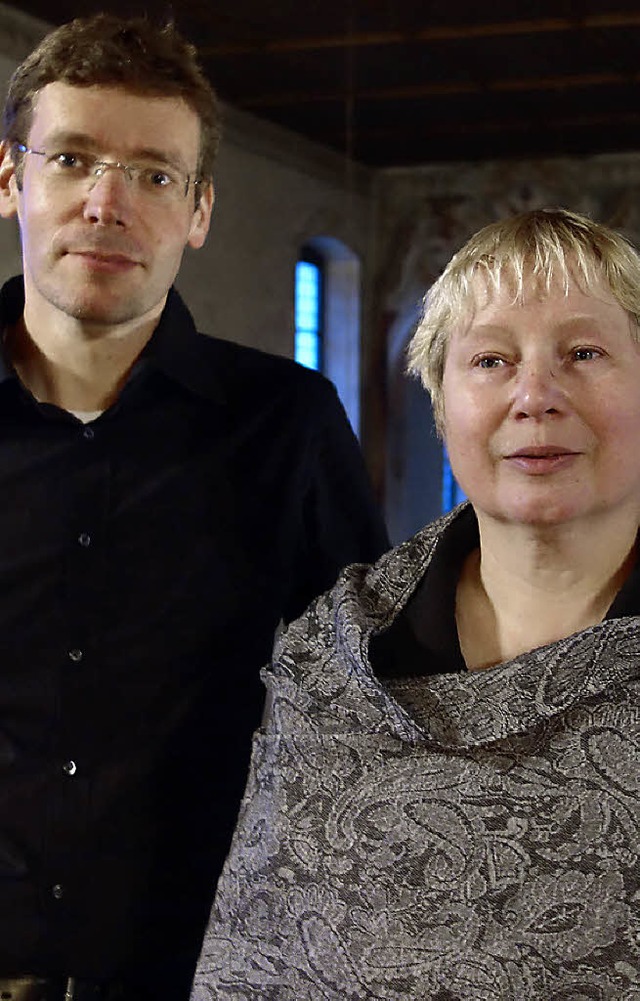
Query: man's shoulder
251	370
247	360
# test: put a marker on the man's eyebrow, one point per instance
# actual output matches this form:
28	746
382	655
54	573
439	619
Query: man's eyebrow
170	158
81	141
64	137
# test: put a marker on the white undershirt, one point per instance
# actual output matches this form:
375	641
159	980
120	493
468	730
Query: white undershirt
86	416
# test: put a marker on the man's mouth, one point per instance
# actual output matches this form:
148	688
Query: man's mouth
108	260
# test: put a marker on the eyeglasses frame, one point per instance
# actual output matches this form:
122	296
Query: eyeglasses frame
99	167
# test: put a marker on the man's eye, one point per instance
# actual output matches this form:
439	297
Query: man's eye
67	161
155	178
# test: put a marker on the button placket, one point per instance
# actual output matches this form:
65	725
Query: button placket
82	530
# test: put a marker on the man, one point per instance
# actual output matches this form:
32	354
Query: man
168	499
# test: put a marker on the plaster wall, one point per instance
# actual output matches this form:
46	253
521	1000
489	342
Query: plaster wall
274	193
19	33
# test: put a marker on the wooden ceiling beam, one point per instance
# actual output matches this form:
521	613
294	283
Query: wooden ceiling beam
532	84
433	33
504	126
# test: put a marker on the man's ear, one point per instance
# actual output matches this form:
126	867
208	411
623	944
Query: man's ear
8	182
201	217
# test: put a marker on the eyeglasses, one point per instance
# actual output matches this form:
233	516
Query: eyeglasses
155	182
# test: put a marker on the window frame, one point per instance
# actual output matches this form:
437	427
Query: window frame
309	255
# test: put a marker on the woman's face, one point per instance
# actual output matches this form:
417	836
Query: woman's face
542	406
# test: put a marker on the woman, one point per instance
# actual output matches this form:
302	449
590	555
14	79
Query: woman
443	801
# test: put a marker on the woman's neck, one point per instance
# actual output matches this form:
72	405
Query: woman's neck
531	587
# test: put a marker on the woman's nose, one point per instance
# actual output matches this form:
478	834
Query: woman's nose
537	390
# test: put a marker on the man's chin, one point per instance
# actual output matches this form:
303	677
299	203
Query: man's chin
94	303
101	308
102	315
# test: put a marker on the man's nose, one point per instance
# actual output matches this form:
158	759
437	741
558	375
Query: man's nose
109	199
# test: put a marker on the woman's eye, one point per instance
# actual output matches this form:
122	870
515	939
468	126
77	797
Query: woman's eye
585	354
490	361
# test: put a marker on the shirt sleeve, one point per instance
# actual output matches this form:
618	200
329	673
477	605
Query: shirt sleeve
341	522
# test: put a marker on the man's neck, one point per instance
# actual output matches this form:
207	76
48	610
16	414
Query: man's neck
76	369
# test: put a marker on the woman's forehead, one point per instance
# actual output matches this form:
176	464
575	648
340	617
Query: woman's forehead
504	287
558	305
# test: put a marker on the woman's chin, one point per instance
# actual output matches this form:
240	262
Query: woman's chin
544	512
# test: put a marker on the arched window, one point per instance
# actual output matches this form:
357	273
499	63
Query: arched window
309	309
327	317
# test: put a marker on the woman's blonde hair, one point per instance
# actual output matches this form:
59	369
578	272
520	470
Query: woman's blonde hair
543	246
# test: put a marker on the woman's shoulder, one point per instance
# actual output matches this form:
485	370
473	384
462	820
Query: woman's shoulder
366	598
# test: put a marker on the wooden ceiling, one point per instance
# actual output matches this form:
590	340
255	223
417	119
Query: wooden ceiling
402	82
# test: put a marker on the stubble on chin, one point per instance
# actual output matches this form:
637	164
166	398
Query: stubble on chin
97	303
93	310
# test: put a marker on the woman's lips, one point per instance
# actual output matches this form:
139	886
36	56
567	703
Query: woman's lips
542	459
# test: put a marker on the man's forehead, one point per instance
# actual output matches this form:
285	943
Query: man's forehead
104	109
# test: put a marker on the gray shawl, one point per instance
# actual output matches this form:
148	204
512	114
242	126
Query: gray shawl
463	837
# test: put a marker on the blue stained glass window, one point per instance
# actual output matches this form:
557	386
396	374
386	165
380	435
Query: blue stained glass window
308	314
452	494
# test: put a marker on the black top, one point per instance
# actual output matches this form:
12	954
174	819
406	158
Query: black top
423	639
145	561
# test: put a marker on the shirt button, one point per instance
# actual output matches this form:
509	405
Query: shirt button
57	891
70	767
84	539
75	655
88	433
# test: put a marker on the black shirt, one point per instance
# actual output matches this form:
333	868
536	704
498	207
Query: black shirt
145	561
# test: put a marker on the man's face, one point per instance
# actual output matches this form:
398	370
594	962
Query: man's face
104	252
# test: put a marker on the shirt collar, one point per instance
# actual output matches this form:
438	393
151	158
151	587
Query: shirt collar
11	309
182	354
175	348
